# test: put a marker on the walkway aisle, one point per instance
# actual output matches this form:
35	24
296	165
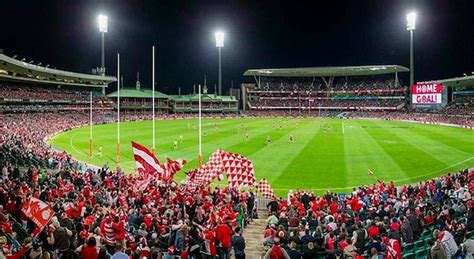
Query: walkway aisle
253	235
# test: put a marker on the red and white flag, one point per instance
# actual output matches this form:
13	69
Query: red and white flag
38	211
142	182
204	175
145	161
265	189
171	168
239	170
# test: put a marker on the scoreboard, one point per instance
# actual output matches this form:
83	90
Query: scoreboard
428	96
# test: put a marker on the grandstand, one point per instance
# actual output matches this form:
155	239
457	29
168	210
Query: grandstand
139	100
26	87
325	89
460	96
211	103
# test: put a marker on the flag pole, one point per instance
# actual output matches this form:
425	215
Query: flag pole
200	134
153	99
90	124
118	108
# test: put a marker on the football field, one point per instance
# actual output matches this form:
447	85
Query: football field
325	153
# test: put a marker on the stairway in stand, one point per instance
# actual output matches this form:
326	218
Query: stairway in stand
253	235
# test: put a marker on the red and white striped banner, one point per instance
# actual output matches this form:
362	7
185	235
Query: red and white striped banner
145	160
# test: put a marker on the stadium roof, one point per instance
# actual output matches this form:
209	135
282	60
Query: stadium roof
16	70
142	93
205	97
464	81
327	71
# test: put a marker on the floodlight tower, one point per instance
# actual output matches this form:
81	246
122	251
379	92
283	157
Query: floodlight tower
103	27
220	44
411	24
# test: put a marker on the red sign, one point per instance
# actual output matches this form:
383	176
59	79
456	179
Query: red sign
426	93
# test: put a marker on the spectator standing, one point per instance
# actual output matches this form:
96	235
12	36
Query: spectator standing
293	253
309	252
224	238
119	254
89	251
276	251
407	231
238	243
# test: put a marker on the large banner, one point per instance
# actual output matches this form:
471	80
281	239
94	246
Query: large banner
429	96
426	93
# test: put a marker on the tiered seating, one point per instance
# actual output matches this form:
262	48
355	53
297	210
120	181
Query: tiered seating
352	93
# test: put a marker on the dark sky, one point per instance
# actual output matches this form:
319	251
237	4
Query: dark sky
259	34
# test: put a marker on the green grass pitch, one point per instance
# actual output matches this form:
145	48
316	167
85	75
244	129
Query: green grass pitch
326	153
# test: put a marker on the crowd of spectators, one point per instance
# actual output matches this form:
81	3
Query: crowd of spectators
340	83
47	93
99	214
434	217
327	103
345	92
462	105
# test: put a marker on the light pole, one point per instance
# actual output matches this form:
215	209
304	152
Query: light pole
411	24
219	44
103	27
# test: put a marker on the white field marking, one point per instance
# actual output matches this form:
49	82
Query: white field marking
399	180
342	127
75	149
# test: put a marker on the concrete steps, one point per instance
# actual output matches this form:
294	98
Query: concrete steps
253	235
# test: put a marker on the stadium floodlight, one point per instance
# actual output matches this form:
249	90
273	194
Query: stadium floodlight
103	23
411	21
23	59
219	39
103	28
14	56
219	44
411	24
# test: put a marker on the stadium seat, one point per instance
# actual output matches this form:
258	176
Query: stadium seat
420	244
408	255
408	248
426	232
422	253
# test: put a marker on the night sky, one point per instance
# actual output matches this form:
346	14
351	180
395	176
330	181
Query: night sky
259	34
